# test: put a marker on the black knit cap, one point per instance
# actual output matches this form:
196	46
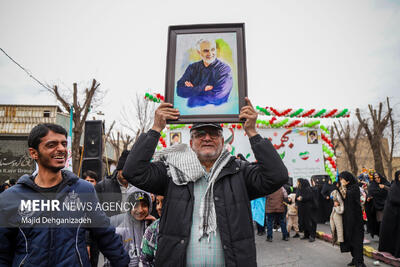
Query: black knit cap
122	159
205	124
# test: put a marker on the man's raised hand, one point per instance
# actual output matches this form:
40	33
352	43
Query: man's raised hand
250	115
164	112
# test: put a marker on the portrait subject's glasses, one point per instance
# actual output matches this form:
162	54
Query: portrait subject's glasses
214	134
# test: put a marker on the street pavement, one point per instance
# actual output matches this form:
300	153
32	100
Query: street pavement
301	253
369	241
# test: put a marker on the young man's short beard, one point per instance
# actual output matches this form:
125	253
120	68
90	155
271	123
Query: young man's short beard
52	168
55	169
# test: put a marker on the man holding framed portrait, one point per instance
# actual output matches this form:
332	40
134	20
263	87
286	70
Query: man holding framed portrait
206	220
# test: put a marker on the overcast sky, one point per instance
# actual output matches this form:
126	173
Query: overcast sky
300	54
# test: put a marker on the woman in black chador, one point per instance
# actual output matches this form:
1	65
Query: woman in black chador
377	194
306	209
389	237
326	203
352	219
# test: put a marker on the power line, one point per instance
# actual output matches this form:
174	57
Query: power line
26	71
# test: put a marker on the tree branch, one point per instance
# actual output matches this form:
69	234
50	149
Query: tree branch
60	98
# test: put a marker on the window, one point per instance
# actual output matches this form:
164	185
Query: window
46	114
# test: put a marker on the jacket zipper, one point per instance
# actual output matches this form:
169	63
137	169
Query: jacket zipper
26	248
76	245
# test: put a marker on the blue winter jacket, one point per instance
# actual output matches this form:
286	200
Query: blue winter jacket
58	242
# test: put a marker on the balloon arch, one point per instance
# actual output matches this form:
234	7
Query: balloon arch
286	118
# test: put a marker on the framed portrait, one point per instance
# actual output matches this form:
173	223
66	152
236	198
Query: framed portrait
175	138
312	137
206	75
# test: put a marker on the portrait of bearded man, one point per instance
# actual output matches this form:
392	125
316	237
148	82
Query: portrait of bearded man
208	81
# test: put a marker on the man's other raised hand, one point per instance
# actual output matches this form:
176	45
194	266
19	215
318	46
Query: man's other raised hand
250	115
164	112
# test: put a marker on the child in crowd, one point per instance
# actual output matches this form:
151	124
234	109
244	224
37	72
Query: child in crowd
291	215
134	223
149	241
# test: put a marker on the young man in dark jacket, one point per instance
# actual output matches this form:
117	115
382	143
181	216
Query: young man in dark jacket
206	220
37	228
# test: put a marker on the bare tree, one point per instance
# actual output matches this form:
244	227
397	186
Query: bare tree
374	131
116	141
109	137
349	141
140	118
392	134
126	140
109	130
332	137
80	112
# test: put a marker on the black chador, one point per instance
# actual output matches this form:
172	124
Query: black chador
306	209
389	237
352	219
376	204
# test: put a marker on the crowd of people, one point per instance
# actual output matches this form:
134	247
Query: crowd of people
187	205
352	206
206	215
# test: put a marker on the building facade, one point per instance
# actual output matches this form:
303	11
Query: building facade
16	122
364	157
